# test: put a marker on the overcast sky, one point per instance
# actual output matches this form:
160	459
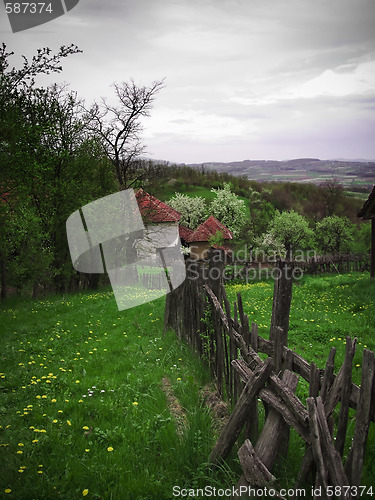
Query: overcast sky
244	79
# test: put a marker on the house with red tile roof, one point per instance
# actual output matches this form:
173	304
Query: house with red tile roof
156	212
161	225
199	240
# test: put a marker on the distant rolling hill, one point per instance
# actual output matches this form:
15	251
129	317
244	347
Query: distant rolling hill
353	175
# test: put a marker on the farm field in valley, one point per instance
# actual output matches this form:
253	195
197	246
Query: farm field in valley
83	406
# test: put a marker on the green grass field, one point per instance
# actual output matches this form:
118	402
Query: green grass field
83	412
82	406
324	310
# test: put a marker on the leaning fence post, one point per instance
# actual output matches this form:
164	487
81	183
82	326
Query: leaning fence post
282	298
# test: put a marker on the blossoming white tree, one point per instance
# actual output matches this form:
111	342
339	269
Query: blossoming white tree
228	208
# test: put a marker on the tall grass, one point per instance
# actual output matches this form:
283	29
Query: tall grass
82	408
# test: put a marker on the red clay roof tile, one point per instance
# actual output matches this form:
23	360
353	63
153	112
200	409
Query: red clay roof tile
208	229
154	210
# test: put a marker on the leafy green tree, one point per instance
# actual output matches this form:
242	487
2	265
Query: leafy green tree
362	238
289	230
228	208
193	209
334	234
51	165
333	196
261	214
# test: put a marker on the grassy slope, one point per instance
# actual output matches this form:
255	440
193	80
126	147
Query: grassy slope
53	352
325	309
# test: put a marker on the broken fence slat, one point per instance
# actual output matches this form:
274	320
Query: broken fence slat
315	442
344	399
255	472
296	418
332	457
238	416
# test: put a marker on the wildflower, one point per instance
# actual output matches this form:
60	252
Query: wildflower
178	378
85	428
21	444
8	490
68	422
35	440
135	403
53	400
19	452
85	492
109	448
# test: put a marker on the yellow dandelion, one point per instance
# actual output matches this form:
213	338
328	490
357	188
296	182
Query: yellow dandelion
85	492
85	428
69	422
109	448
8	490
135	403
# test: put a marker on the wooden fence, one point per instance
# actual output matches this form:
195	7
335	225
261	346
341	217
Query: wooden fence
344	263
201	314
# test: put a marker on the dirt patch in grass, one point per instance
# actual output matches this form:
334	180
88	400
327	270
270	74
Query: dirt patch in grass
219	409
175	408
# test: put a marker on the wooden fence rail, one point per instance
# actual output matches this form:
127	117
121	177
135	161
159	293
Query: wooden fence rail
232	348
343	263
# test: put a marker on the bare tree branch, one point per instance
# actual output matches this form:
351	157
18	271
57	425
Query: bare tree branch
119	126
